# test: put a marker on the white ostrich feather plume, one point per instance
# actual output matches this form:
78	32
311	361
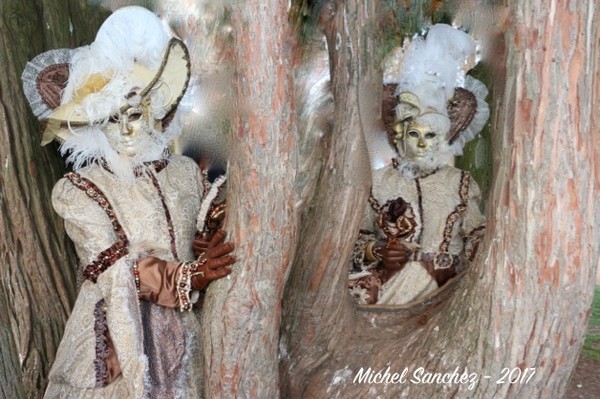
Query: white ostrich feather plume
89	145
118	44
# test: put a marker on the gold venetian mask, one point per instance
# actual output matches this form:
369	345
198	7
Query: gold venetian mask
127	132
417	141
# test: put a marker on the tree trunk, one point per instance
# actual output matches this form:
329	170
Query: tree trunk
263	216
37	261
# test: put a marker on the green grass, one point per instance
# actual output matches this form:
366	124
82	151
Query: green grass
591	345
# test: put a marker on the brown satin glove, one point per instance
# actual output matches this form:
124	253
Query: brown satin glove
392	254
216	261
201	243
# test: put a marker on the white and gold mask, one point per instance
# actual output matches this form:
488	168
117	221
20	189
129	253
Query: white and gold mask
130	133
417	141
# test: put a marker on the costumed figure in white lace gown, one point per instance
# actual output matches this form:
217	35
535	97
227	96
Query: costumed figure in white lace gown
131	209
423	223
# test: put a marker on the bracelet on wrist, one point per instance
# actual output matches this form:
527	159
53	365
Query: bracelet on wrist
371	252
184	286
136	277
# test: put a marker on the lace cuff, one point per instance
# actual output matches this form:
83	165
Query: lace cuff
187	270
184	286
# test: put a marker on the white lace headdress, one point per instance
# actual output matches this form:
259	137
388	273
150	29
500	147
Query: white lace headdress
432	84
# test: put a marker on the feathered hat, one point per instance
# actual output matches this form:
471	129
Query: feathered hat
428	80
70	88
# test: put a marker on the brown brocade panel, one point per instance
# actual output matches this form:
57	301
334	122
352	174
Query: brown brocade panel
106	362
458	211
51	82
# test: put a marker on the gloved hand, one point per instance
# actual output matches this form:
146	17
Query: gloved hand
391	253
213	264
201	242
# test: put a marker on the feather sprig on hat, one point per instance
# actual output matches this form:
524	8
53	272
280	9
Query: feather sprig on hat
101	73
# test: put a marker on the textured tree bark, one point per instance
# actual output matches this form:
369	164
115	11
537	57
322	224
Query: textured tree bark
36	260
542	243
317	310
242	314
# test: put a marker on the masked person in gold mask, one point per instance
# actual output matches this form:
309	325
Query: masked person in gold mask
131	209
423	223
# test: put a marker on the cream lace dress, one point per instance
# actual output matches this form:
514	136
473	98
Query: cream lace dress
158	349
442	217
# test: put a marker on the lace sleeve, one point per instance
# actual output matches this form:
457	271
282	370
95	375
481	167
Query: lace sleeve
86	223
212	207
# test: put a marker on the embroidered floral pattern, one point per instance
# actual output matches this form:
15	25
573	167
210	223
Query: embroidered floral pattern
109	256
472	241
365	287
397	219
359	295
102	351
443	260
453	217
